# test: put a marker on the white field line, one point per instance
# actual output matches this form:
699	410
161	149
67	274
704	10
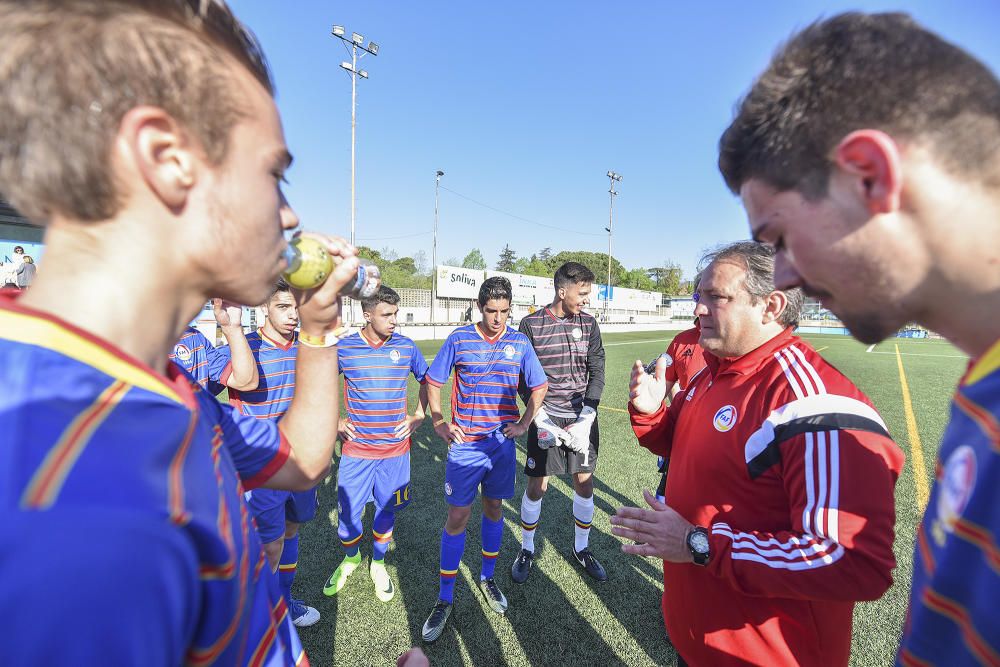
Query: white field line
871	347
918	354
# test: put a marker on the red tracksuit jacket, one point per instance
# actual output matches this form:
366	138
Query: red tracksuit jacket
792	471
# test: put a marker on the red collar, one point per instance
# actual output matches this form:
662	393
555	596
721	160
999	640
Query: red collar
487	338
374	345
282	344
751	361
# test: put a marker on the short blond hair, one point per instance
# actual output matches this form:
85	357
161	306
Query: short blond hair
71	69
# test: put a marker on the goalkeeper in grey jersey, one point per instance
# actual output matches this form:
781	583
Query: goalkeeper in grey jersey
564	438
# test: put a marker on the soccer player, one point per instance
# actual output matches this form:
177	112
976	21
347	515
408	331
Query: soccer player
868	154
779	500
375	460
277	512
488	357
138	127
564	436
195	354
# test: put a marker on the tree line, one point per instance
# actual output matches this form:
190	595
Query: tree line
415	272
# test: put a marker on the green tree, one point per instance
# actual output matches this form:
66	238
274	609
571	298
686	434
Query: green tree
474	260
638	279
507	259
667	278
595	261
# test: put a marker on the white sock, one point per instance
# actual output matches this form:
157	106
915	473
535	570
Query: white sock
530	511
583	513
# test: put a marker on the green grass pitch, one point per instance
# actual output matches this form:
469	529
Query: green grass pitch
560	616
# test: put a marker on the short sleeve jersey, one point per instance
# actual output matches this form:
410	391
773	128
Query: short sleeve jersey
276	369
375	376
195	354
952	618
126	486
687	356
484	395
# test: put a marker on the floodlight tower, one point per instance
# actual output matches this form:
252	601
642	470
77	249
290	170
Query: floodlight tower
611	225
434	248
352	45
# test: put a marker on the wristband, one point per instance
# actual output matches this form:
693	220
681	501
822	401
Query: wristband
329	339
438	423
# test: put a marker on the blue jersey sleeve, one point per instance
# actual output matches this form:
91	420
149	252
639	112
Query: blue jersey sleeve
115	588
257	446
218	361
443	362
418	365
534	374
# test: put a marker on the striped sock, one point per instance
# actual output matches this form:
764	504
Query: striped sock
287	564
492	532
351	545
382	533
583	513
452	547
530	511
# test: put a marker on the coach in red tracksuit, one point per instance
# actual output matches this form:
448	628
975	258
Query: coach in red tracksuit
779	509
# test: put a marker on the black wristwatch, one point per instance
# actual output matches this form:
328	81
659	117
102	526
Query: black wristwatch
698	545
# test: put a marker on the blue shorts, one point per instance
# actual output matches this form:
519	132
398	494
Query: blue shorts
386	482
490	462
271	508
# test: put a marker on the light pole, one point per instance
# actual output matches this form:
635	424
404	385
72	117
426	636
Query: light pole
434	248
356	42
611	225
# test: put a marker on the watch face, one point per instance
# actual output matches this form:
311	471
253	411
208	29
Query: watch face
699	542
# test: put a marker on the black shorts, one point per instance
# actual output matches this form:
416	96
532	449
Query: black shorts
559	460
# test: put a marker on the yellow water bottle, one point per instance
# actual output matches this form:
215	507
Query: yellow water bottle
309	264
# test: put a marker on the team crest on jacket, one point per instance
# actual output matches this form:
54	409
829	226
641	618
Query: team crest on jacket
394	356
182	352
725	418
531	463
509	351
577	333
955	488
447	489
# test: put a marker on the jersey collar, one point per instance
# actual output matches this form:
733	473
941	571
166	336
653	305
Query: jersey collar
983	366
281	345
750	362
34	327
372	344
492	341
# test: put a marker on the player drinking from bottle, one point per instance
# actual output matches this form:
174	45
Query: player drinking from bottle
488	358
564	437
375	463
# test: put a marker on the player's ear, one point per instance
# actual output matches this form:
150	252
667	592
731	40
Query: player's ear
160	152
869	163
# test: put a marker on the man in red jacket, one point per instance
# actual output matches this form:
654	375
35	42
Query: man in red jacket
779	506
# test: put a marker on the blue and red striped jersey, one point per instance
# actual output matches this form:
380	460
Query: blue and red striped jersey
195	354
953	619
375	376
276	367
124	487
484	395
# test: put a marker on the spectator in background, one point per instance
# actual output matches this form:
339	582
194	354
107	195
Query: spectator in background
26	272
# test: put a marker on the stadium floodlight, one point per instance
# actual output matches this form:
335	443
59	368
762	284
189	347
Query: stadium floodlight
611	225
352	45
434	250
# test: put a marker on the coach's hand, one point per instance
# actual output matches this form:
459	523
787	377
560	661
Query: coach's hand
659	531
413	658
319	308
514	429
346	430
647	392
405	428
450	433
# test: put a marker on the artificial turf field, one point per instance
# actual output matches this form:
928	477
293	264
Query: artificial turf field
560	616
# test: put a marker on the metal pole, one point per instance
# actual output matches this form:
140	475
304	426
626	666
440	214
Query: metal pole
354	107
434	250
611	226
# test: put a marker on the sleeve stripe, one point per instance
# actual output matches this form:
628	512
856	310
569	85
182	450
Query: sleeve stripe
268	471
794	554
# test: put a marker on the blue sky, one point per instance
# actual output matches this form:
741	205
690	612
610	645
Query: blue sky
526	106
